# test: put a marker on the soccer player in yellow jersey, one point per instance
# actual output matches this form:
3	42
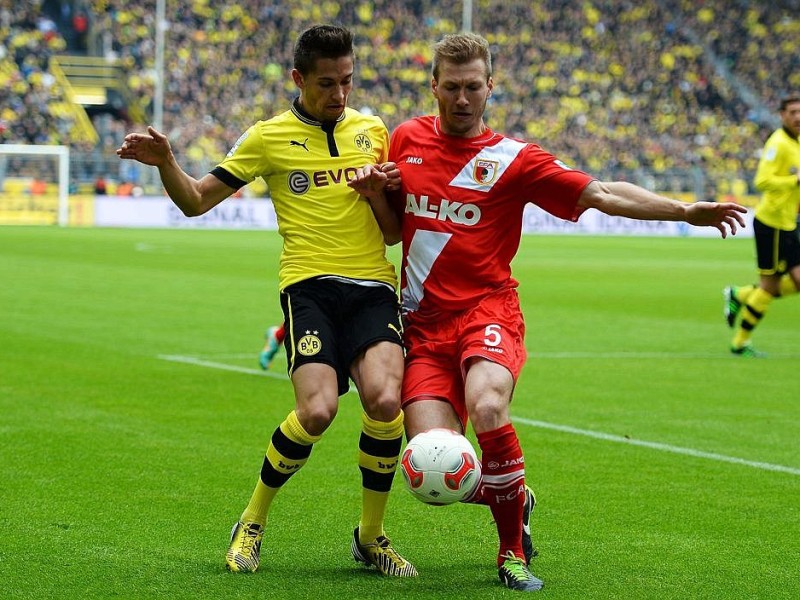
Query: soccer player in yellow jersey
325	164
774	228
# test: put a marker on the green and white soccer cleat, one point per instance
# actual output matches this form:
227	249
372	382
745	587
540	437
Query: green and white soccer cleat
244	551
527	511
748	351
514	574
731	306
382	556
270	349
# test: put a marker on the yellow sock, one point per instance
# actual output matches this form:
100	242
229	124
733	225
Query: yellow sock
743	293
379	453
752	313
288	451
787	286
257	509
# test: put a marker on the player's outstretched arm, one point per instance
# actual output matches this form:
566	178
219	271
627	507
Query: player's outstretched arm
623	199
194	197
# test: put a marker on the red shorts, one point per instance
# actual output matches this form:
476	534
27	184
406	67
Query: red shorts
438	349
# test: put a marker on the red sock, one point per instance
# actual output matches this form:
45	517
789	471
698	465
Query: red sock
502	486
280	333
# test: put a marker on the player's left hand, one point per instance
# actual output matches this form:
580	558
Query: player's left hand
724	216
369	180
393	183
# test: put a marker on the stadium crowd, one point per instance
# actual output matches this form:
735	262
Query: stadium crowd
28	39
667	93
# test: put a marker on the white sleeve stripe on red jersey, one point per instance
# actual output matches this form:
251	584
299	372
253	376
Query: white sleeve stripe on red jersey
488	165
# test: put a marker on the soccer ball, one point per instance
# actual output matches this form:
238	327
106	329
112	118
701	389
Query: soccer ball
440	467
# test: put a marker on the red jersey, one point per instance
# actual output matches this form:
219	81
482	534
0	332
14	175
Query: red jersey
462	202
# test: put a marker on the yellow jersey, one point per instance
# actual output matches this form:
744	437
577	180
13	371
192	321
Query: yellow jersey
327	227
776	179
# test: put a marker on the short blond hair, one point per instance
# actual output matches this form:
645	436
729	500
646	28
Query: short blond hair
461	48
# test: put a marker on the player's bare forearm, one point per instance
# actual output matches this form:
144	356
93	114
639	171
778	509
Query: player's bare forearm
624	199
387	220
370	182
181	188
194	197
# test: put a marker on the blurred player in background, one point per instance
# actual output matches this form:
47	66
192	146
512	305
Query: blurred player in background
337	287
463	191
774	229
274	338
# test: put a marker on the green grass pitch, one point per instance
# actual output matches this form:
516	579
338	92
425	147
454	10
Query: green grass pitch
134	417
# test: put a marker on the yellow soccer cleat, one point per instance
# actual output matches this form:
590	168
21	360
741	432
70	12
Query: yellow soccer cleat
382	556
244	552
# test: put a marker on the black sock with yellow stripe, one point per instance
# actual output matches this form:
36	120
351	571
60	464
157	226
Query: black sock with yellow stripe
288	451
379	452
751	314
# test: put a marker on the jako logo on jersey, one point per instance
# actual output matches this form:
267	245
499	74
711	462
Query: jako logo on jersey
463	214
493	464
238	143
485	171
414	160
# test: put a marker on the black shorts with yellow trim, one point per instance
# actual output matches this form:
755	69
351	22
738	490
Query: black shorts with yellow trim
333	320
777	250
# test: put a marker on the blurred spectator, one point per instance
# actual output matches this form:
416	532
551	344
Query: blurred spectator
100	186
38	187
80	27
125	188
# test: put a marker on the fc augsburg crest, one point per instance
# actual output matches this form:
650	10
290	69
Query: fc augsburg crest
485	171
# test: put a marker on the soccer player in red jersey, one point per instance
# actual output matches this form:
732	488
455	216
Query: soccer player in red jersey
464	188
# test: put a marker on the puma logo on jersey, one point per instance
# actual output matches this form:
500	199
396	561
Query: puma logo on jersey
414	160
446	210
301	144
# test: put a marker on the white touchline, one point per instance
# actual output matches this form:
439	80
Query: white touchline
658	446
193	360
638	355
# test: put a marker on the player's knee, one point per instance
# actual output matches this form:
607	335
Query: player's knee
316	418
384	406
489	412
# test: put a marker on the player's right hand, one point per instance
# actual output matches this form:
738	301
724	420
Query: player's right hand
152	148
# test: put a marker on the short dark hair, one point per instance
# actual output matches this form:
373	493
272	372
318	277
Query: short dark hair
789	99
321	41
461	48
